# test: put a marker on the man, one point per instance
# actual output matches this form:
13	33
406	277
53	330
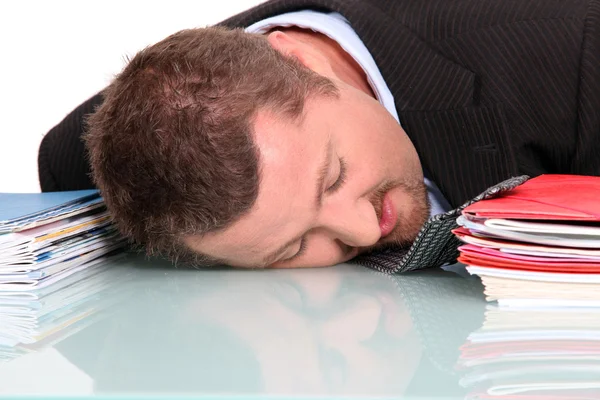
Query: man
331	129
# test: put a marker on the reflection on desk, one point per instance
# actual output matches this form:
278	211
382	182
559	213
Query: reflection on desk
329	333
542	353
38	318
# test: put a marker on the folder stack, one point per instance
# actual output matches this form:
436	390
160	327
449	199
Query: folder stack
538	244
47	237
538	353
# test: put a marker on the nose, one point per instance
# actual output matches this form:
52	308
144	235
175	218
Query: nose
353	223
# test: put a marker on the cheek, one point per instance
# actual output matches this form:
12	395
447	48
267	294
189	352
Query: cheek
375	140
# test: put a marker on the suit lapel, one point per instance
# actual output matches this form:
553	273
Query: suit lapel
462	144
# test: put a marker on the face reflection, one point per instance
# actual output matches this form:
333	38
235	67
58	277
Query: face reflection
342	180
343	333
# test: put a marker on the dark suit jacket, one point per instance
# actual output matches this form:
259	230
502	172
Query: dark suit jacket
486	89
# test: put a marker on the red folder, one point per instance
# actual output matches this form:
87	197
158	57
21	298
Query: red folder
470	255
568	207
546	197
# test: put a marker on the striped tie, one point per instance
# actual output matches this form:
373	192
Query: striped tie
435	244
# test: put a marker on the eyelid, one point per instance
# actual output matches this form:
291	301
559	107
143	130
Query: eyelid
332	189
341	178
300	252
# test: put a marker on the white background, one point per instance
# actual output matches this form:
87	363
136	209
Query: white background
55	54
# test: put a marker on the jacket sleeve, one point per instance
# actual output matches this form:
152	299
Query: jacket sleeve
62	161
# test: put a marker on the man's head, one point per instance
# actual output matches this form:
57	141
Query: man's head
221	146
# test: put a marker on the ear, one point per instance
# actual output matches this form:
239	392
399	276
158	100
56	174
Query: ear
303	51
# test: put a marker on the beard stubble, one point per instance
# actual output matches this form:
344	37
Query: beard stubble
411	217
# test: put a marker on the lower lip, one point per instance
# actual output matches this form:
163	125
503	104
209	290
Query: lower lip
388	216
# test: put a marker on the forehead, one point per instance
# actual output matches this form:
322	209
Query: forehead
290	153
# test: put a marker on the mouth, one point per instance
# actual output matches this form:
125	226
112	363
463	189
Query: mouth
389	216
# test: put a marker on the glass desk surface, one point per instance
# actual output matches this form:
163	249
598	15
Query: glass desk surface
146	329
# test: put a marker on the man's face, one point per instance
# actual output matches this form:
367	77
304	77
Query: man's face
342	180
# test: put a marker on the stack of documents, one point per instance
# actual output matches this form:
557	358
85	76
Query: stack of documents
46	237
538	244
538	353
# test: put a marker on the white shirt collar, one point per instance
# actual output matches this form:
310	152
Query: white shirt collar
336	27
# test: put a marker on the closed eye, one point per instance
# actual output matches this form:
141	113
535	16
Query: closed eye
341	178
331	189
300	252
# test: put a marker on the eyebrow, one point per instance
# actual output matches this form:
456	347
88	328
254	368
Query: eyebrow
325	164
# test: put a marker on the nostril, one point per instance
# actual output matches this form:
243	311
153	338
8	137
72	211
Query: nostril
347	250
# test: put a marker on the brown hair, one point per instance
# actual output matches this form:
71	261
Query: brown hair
171	148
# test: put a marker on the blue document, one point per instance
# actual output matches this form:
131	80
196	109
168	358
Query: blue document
21	210
23	205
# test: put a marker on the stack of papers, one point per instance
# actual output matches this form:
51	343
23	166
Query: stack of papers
47	237
538	244
538	353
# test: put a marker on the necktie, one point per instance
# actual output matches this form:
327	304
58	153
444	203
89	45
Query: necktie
435	244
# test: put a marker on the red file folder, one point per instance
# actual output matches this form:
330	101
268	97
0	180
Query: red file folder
546	197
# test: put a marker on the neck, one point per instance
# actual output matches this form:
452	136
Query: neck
342	64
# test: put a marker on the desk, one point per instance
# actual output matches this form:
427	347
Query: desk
340	332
